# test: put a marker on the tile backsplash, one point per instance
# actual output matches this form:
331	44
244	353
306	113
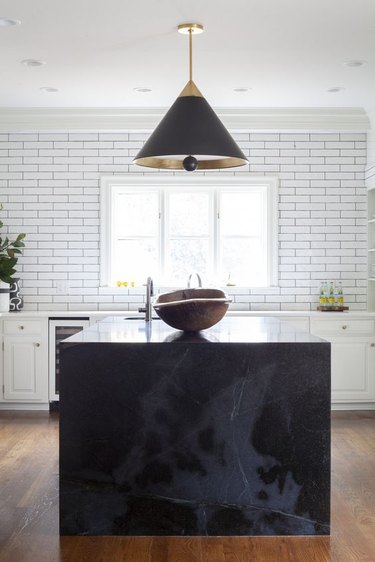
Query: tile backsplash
49	187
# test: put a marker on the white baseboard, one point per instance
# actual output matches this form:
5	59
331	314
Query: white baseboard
354	406
17	406
45	406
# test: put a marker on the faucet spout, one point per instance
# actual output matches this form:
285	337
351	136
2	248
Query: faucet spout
149	294
198	279
147	309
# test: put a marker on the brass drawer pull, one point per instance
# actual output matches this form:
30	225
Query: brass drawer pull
373	345
344	327
21	327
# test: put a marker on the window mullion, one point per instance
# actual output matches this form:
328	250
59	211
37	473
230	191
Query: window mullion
216	233
162	232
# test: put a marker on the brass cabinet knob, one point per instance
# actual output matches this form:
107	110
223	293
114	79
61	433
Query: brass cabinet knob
344	327
37	344
373	345
21	327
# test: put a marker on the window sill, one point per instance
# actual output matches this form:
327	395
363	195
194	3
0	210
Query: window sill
232	290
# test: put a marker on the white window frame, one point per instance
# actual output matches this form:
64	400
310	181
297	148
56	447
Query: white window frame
193	181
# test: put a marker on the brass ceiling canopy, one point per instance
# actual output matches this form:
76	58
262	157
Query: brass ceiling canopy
190	28
190	136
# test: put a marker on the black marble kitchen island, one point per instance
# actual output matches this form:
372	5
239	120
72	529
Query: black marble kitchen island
226	432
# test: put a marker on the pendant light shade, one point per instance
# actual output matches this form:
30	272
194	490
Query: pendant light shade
190	136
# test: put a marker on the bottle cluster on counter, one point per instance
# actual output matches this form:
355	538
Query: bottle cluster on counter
331	294
125	283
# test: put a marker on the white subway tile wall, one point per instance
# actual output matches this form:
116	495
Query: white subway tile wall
49	187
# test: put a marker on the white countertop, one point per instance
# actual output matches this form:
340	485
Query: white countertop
240	313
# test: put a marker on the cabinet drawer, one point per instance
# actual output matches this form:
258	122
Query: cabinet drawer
22	327
344	327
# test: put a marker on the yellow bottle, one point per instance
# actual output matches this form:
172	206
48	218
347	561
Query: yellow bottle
331	298
340	295
322	294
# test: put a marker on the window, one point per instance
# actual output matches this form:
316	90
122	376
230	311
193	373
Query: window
223	227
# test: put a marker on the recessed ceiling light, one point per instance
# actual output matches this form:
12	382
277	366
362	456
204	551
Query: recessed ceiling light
48	89
9	22
142	89
335	90
241	89
355	63
32	62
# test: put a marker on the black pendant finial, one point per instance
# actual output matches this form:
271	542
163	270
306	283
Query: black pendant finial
190	163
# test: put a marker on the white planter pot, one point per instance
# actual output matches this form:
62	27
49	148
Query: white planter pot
4	296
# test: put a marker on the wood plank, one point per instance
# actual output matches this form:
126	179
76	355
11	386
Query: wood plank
29	506
185	549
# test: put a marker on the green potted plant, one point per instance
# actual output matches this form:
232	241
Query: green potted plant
9	252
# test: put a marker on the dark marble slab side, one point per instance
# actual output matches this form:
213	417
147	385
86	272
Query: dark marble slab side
195	439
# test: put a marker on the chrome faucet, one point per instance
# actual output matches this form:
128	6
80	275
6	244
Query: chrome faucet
147	309
198	278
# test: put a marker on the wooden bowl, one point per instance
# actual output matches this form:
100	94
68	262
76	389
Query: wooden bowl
192	310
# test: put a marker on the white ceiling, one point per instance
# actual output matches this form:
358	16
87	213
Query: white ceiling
288	51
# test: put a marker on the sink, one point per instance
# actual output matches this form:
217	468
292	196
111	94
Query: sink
140	318
192	310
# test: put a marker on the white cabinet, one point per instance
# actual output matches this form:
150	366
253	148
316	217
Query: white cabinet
371	248
25	365
353	371
343	327
22	368
352	358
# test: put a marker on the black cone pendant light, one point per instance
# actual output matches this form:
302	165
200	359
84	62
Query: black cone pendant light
190	136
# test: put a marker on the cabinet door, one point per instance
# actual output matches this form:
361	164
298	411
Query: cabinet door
353	371
23	369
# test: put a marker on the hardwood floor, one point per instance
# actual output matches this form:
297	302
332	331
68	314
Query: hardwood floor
29	506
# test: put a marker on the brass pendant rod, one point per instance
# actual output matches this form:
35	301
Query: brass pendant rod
190	54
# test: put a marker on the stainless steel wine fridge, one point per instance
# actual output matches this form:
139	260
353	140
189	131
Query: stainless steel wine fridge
60	329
